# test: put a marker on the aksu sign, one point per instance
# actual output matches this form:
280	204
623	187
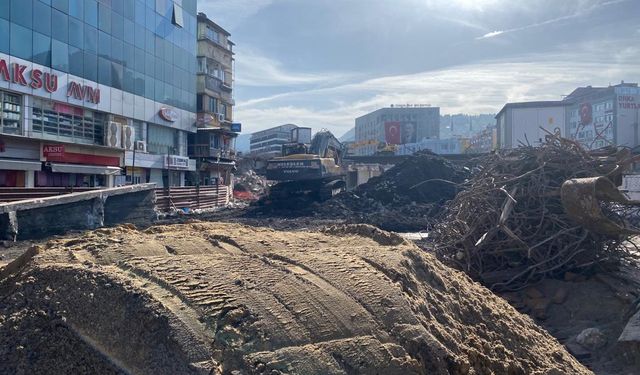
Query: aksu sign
37	79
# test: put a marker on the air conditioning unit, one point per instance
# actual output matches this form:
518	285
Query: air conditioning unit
141	146
128	137
113	135
220	117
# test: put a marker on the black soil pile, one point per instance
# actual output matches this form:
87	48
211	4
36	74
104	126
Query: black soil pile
405	198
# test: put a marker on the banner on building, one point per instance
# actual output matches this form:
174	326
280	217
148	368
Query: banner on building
400	132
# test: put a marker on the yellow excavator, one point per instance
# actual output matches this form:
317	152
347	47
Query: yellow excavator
310	171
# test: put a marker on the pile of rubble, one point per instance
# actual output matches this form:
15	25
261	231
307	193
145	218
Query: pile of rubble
249	186
405	198
533	213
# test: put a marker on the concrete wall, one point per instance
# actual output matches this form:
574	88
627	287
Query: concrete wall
40	218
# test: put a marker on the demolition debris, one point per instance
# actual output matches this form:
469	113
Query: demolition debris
405	198
535	213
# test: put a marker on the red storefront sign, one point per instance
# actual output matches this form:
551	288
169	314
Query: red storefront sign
56	153
168	114
53	150
37	79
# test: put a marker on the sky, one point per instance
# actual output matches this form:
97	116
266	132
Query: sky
322	63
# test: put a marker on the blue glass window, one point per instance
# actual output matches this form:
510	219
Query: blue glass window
4	10
22	12
21	39
140	12
138	89
140	36
149	44
117	6
60	29
61	5
128	80
105	18
76	61
90	39
76	9
117	26
76	33
129	32
104	71
91	12
129	9
148	87
42	18
116	50
139	62
41	49
4	36
116	75
104	44
59	56
149	65
129	56
90	66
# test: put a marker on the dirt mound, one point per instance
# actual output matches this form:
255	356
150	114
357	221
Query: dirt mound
404	198
214	298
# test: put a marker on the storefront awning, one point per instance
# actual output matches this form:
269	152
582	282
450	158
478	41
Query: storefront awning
20	165
84	169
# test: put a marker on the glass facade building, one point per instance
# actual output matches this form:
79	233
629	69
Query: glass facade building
100	80
147	48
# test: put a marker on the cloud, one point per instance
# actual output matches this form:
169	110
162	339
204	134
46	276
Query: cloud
254	69
491	34
230	13
579	13
473	89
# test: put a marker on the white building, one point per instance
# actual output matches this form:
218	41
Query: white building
528	123
268	143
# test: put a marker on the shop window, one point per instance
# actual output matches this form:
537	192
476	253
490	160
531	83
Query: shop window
10	113
59	120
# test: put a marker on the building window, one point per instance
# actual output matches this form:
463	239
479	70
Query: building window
213	35
213	105
162	140
10	113
55	120
138	128
178	19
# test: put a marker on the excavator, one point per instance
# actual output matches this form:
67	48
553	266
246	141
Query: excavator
307	172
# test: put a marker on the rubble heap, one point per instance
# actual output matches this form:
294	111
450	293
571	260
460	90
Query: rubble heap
520	219
249	186
404	198
216	298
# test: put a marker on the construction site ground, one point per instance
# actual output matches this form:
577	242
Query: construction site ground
226	294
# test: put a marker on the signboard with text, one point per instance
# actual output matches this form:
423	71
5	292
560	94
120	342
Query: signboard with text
53	150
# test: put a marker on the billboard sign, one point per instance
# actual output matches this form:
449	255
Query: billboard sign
236	127
400	132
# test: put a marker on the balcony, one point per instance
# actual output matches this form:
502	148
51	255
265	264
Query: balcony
206	151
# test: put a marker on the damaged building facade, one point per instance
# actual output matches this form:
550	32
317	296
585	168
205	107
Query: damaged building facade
95	93
213	145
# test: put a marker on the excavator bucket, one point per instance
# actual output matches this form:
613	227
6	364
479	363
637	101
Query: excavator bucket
583	198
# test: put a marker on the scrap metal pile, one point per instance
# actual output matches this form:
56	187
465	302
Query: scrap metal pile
537	212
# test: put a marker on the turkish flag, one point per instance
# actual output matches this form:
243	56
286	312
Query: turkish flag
392	132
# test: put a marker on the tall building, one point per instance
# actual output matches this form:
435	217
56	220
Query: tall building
396	125
83	82
268	143
594	116
213	145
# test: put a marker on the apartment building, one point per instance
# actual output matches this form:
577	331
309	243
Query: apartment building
213	145
85	85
